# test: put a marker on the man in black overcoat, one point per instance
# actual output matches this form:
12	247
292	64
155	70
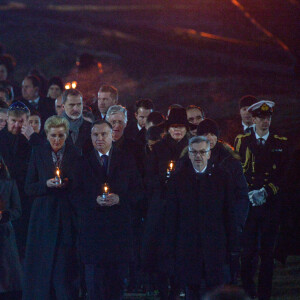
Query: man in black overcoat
31	96
80	130
16	150
200	223
105	226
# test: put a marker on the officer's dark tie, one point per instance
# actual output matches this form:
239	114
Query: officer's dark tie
261	142
248	130
104	159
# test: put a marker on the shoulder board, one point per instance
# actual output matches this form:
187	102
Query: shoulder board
239	136
282	138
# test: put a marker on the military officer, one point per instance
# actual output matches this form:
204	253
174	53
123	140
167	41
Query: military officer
264	156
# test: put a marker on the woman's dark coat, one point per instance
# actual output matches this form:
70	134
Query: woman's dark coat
200	225
10	267
105	232
165	150
53	218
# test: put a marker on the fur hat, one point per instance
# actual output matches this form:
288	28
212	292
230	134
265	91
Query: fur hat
208	126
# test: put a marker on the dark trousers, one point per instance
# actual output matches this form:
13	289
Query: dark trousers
65	274
259	239
105	281
197	292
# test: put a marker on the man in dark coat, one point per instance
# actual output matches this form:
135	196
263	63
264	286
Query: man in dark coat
106	233
117	117
107	97
16	150
31	87
136	130
240	124
80	130
264	160
201	228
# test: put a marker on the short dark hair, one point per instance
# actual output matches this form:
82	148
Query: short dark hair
35	113
109	89
156	118
192	106
36	82
101	122
71	92
145	103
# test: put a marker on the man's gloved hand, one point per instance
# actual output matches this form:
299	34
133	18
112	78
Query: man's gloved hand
258	197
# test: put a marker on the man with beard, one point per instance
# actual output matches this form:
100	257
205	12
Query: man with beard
264	160
16	150
79	128
200	226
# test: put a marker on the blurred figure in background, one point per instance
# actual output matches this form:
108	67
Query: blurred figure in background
59	106
55	87
10	210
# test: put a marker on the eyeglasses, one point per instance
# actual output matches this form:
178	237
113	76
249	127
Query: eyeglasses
201	152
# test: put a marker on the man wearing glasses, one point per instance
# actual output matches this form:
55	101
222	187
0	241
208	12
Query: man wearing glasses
200	222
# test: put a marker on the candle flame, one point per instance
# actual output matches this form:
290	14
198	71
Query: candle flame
171	165
57	172
74	84
68	86
105	188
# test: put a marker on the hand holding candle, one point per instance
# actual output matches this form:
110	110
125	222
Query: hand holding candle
171	168
107	198
57	176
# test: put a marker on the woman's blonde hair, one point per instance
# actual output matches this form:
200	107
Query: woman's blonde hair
55	122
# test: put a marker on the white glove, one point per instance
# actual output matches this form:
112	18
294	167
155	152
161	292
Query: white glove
258	197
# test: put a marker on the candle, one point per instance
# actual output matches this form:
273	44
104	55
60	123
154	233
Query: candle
68	86
171	168
74	84
105	191
57	176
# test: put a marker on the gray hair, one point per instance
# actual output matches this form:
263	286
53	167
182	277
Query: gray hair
198	139
117	109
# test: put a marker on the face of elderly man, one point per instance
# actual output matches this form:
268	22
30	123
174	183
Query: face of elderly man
199	155
118	124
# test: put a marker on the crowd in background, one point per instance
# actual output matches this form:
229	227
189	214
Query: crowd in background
97	200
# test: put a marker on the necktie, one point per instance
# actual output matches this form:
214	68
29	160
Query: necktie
104	159
248	130
261	141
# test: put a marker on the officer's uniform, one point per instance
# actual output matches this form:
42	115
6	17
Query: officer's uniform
264	161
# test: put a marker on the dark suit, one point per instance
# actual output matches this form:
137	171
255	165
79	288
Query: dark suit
45	107
264	166
83	142
106	232
200	227
132	132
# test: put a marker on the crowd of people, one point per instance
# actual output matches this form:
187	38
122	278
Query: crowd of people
95	201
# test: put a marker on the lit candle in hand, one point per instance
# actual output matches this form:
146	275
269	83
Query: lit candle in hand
171	168
105	191
57	176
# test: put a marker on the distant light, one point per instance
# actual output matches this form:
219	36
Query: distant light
74	84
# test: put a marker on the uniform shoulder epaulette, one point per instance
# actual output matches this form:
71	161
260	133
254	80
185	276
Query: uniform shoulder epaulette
239	136
282	138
